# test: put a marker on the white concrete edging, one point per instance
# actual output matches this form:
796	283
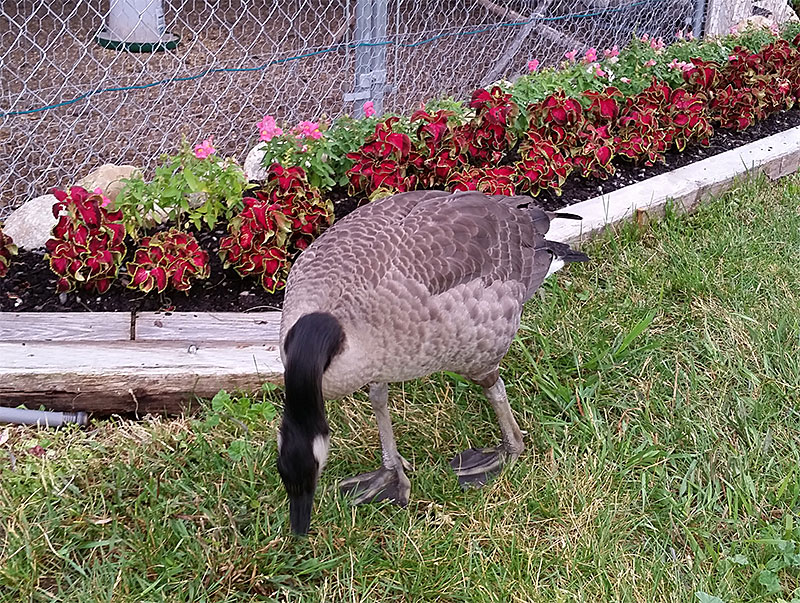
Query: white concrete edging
777	155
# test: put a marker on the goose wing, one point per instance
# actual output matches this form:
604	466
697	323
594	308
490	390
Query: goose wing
467	236
438	239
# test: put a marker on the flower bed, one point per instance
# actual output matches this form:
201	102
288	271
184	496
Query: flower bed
157	362
628	113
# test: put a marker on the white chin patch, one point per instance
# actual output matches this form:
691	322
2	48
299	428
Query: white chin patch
556	265
280	441
320	448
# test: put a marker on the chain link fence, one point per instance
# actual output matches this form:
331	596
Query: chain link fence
69	103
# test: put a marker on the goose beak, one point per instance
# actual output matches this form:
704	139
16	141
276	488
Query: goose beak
300	512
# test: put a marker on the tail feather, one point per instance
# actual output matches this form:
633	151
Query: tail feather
564	215
564	252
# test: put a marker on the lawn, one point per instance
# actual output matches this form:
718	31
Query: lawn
659	386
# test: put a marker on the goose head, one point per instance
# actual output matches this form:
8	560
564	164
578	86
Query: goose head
304	437
302	455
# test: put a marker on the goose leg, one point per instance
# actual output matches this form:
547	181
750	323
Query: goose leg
475	467
390	481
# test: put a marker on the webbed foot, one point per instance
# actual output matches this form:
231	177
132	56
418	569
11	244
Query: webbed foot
477	466
382	484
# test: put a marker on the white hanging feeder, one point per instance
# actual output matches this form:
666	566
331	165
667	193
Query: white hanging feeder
136	26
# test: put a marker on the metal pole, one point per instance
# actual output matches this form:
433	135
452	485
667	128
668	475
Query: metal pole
22	416
699	17
370	59
379	21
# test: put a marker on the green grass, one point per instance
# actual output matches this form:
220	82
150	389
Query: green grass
659	386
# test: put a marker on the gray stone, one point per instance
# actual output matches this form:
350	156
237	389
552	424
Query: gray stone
29	226
108	178
252	164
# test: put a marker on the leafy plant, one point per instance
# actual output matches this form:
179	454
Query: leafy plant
489	136
243	409
593	154
168	259
541	165
187	190
492	181
437	133
734	109
88	242
281	219
387	160
7	249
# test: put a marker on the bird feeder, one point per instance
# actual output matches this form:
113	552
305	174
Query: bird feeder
136	26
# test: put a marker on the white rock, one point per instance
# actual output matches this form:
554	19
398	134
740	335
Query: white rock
252	164
108	177
29	226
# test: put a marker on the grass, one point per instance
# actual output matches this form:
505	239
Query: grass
659	386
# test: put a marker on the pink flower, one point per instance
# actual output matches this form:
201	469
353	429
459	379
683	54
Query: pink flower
625	80
307	129
611	52
676	64
645	38
650	63
773	27
533	65
369	109
268	128
598	71
657	44
106	200
590	56
690	35
571	55
205	148
679	34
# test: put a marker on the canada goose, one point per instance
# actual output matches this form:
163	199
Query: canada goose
403	287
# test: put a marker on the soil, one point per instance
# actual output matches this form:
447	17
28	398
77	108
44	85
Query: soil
30	285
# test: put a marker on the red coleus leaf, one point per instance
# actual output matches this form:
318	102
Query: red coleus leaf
704	75
603	105
166	254
59	194
63	285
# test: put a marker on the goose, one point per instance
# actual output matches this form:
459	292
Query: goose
403	287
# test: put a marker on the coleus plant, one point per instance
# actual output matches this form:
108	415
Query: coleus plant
169	258
437	132
278	220
386	161
7	249
489	136
541	165
492	181
87	243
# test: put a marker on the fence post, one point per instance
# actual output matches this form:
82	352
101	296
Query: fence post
370	55
698	18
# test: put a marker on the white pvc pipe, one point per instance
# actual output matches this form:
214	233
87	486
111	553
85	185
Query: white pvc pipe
22	416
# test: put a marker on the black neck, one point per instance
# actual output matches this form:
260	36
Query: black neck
310	345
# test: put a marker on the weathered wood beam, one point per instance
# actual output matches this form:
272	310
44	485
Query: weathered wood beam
65	326
129	376
196	327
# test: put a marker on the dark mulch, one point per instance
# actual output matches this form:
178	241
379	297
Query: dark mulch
30	285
